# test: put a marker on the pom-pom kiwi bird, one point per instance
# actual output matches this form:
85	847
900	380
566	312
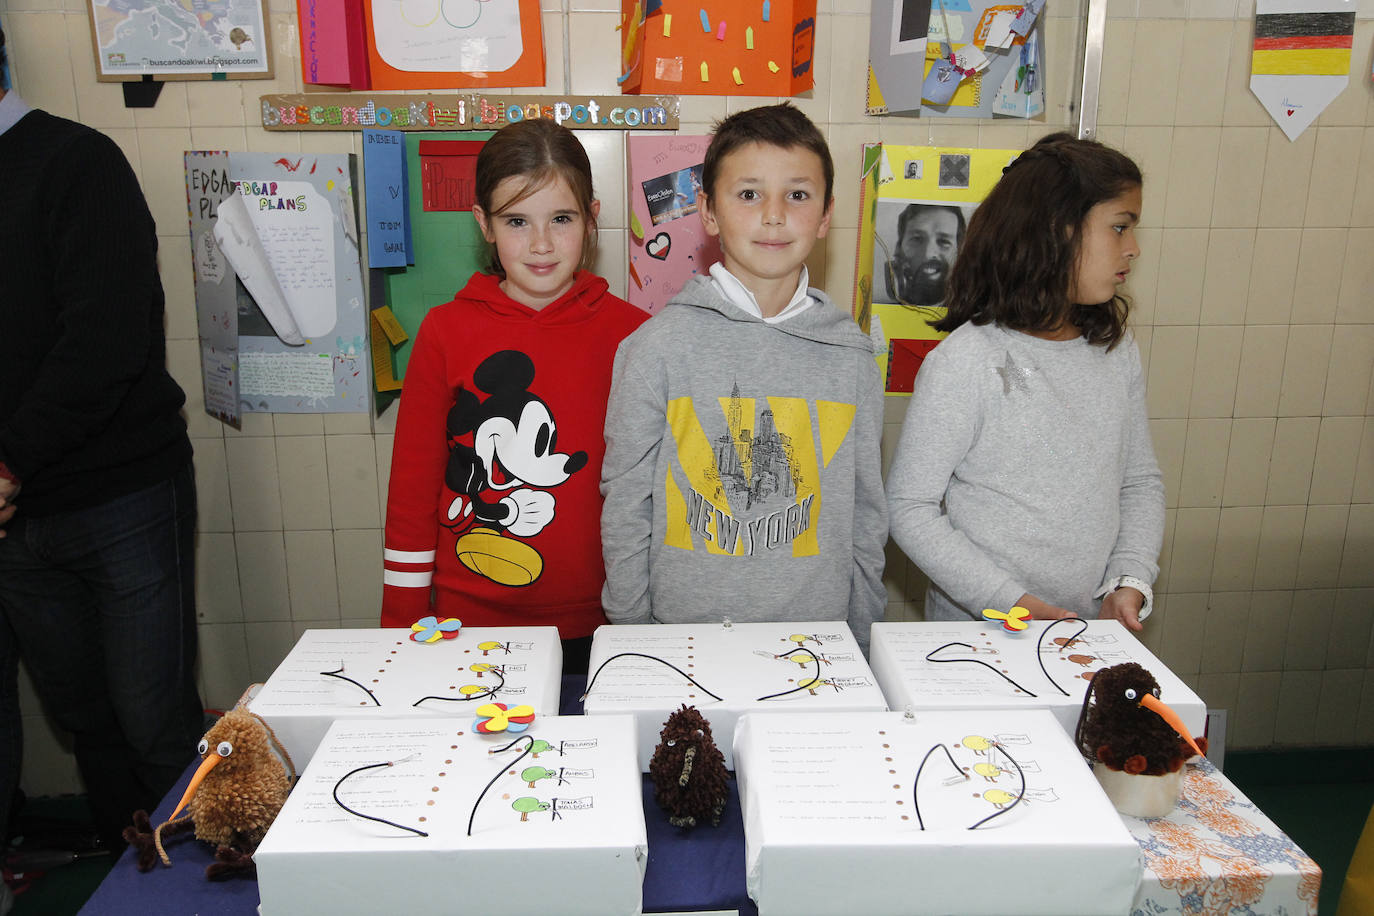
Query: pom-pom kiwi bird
688	770
1125	726
233	797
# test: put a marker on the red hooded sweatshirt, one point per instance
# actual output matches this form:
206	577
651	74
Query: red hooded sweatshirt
494	498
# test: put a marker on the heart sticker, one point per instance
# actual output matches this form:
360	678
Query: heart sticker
658	246
1290	112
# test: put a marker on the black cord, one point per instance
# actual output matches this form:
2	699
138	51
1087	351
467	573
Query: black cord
592	683
343	677
1068	643
975	661
801	684
498	750
490	692
1020	795
380	820
916	781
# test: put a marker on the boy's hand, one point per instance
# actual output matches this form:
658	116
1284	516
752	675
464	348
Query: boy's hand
1123	604
1041	610
8	490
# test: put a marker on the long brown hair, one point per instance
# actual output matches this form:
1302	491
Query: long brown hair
1017	262
539	151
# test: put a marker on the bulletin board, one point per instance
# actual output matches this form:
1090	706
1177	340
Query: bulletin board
279	291
924	179
718	47
446	248
441	44
668	244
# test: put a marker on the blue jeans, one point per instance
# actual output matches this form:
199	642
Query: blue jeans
100	605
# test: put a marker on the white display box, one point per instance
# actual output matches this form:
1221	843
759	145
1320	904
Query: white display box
300	702
740	663
830	825
574	843
898	653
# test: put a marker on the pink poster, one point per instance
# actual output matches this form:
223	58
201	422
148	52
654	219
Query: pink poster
668	245
324	42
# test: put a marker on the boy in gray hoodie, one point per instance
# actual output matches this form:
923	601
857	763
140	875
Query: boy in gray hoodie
742	472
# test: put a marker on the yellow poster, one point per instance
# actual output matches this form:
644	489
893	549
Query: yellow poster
914	209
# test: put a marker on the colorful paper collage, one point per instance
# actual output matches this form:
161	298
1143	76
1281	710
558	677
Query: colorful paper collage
974	60
753	47
446	249
914	204
897	53
1301	58
668	245
448	44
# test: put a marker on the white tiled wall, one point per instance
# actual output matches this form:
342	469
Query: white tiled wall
1254	309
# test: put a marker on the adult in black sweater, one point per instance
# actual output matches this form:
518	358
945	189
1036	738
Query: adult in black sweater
97	500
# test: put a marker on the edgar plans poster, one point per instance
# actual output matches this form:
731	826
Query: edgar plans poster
279	296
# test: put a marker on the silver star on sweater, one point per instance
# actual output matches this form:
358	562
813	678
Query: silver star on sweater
1014	376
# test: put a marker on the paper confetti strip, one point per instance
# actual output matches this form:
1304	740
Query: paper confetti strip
767	11
773	66
749	38
739	80
705	21
720	32
667	25
631	37
705	73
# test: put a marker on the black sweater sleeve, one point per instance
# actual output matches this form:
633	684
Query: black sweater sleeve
96	394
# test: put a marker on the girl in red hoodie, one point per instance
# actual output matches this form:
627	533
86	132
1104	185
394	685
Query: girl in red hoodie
493	510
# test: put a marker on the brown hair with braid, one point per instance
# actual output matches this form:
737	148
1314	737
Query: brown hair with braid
1019	256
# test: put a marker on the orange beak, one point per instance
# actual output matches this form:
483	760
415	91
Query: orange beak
206	765
1165	713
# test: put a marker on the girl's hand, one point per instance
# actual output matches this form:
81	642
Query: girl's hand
1041	610
1123	604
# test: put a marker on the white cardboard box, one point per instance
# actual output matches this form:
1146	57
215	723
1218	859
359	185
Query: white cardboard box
741	663
830	825
572	843
300	702
898	653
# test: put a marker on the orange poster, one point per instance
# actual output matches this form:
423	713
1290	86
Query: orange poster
448	44
717	47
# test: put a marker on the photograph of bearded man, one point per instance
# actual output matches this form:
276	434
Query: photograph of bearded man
928	238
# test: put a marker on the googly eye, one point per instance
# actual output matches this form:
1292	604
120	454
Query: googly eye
202	747
224	749
1155	692
1130	693
672	743
701	734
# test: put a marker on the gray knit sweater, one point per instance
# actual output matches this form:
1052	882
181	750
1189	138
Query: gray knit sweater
1025	465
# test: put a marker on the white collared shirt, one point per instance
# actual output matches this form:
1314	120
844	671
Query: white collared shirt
729	286
12	109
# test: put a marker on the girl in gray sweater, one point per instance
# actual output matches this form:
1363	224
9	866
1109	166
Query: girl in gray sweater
1025	473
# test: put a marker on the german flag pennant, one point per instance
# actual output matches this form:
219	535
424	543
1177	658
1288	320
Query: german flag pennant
1301	58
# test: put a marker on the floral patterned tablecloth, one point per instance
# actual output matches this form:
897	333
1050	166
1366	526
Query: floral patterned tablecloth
1216	854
